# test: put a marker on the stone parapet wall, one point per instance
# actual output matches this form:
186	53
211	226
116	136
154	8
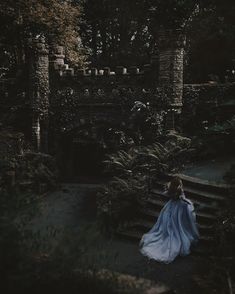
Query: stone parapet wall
107	90
160	82
209	102
211	94
98	98
60	68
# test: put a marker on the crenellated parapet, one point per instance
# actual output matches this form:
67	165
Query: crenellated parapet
161	81
120	86
75	91
61	71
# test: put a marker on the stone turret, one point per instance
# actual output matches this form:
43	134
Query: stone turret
39	91
171	60
57	57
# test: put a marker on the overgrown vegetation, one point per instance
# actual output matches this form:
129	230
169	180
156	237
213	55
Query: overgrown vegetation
114	33
133	173
121	33
215	140
21	19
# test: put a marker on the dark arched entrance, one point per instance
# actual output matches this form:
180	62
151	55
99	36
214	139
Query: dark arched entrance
81	156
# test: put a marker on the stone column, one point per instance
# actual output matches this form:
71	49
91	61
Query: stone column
44	126
171	60
57	57
39	90
36	137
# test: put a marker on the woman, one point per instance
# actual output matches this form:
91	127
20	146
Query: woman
175	229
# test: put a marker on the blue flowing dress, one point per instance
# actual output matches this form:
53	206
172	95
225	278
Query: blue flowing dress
173	233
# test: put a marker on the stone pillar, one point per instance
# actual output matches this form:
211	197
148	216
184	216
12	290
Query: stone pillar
57	56
170	120
39	90
44	126
36	134
171	61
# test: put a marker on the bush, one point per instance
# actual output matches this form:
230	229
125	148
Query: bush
118	202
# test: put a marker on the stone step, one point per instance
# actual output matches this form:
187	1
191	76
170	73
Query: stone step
202	217
136	236
204	185
192	193
159	199
202	248
144	226
199	184
207	198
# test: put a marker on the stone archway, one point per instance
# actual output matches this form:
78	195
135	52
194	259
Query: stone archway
81	154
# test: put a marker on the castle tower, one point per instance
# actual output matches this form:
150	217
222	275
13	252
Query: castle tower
39	91
171	61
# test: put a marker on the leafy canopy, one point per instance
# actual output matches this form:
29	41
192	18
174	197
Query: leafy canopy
57	20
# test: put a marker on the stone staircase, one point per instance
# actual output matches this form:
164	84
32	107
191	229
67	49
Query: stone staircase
208	198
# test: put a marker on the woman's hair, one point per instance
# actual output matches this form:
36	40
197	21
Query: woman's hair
175	188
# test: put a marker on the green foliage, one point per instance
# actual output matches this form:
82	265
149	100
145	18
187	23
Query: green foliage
221	275
154	158
118	202
125	33
118	32
217	139
173	13
210	49
55	19
225	128
122	163
140	159
131	171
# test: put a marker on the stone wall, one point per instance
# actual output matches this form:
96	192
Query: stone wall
84	96
208	103
70	97
107	97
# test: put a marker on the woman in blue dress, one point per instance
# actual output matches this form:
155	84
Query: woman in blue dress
175	230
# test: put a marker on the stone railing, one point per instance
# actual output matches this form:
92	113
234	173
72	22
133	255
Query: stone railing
208	102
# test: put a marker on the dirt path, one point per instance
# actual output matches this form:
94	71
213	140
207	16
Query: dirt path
71	214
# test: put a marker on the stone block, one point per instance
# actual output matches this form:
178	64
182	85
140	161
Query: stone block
106	71
70	72
120	70
133	70
81	72
94	71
